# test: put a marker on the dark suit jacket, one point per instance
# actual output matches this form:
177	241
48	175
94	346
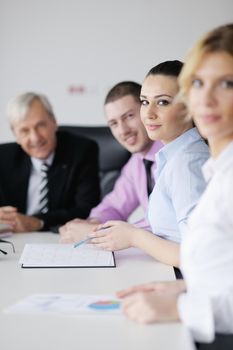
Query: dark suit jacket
73	179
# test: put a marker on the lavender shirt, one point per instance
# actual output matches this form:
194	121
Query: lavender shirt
130	191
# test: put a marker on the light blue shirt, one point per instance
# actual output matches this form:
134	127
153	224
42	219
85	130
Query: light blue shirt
179	184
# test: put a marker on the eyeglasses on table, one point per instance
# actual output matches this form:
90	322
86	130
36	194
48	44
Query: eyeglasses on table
7	242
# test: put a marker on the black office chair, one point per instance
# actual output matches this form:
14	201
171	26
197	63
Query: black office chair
112	156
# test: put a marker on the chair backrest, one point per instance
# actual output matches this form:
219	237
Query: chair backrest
112	156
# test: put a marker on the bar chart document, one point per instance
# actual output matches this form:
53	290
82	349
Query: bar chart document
68	304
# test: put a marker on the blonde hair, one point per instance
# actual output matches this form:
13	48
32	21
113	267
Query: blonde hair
219	39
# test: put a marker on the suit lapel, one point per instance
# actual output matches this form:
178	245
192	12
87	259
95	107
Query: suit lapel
57	177
58	174
21	181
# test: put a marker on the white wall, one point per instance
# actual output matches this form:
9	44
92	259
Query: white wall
74	51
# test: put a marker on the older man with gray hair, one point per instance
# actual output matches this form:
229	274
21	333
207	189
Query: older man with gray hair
47	177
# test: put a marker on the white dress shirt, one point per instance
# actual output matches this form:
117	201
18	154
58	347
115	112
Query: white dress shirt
179	184
207	255
33	195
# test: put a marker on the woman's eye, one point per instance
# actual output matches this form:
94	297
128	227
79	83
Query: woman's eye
163	102
144	103
227	84
196	83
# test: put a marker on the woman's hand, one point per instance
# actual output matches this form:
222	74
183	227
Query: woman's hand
150	307
113	235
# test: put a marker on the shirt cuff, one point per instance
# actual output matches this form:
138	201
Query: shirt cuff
196	313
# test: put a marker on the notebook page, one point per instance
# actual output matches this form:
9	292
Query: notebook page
65	255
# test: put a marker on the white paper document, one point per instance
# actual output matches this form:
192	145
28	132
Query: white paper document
65	255
67	304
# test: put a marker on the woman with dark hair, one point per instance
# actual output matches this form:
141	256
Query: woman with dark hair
179	181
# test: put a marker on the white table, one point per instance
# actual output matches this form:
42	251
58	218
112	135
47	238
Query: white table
55	332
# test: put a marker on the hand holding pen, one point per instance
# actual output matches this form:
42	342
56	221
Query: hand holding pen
114	235
90	236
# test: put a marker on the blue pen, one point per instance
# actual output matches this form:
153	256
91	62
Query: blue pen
81	242
88	238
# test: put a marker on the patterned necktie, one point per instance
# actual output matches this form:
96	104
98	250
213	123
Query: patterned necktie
43	202
149	178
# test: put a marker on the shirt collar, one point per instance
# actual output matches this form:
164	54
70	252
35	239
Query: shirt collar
38	162
168	151
217	164
181	141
